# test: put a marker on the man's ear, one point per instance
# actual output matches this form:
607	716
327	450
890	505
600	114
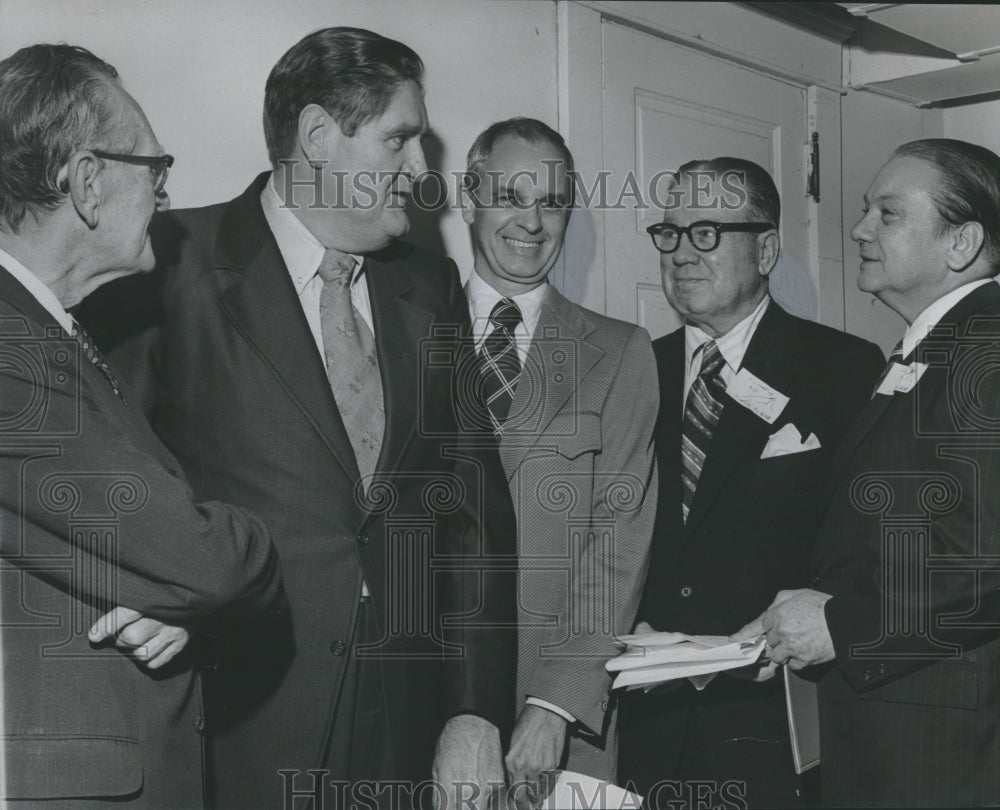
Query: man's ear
316	128
768	247
966	245
470	184
80	178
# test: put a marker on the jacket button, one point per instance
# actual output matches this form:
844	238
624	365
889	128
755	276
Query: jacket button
604	705
363	539
338	648
686	591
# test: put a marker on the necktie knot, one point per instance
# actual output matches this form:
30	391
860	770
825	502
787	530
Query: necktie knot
505	314
711	360
897	353
336	266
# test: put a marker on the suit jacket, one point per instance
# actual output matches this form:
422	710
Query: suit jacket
909	708
237	389
578	453
96	513
750	528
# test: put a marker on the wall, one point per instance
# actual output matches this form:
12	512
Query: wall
977	123
872	126
198	68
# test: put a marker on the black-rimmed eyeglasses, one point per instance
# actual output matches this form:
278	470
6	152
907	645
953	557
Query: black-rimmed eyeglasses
159	165
703	235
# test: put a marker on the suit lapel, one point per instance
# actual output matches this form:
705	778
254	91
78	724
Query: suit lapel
670	364
257	295
559	358
984	296
767	357
400	325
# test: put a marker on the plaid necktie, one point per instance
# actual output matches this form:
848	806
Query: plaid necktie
351	362
895	356
93	354
501	365
701	415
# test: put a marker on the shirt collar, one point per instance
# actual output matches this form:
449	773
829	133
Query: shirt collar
929	318
482	299
732	345
301	251
39	291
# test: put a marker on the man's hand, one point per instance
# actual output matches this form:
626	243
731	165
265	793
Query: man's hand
536	747
468	763
751	632
148	640
796	630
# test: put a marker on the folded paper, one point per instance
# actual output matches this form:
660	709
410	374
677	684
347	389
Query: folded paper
788	440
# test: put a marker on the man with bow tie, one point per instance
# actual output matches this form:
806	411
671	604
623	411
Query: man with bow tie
904	609
753	403
572	395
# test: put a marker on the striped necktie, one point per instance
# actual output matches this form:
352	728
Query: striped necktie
701	415
501	366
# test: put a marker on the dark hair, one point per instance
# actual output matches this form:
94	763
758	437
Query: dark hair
351	73
54	100
969	186
762	200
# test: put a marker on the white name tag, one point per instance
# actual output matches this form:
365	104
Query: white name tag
900	379
756	395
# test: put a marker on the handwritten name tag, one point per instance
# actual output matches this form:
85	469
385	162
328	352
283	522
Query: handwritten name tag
900	379
756	395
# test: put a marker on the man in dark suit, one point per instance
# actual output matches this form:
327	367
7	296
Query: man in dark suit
905	607
299	361
753	403
95	514
575	413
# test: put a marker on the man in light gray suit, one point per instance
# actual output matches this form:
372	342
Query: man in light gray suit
573	397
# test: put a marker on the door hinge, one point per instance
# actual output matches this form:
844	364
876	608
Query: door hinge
812	181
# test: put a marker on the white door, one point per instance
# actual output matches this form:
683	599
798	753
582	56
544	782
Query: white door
665	104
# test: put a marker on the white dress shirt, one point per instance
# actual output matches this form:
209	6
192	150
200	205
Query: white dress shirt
42	294
732	346
929	318
303	253
482	298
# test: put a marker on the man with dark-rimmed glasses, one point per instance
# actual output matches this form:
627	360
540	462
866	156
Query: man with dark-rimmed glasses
753	402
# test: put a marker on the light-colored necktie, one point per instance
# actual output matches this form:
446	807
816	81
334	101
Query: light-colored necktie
701	415
351	362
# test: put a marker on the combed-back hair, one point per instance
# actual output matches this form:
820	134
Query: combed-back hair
351	73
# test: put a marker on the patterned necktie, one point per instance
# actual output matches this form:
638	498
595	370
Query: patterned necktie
351	362
501	365
93	354
701	415
895	356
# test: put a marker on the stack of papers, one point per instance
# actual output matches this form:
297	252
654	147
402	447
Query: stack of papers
654	658
576	791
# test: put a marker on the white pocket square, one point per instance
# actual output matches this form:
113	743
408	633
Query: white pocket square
788	440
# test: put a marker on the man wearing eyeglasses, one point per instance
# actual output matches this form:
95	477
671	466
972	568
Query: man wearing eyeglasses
753	403
107	561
